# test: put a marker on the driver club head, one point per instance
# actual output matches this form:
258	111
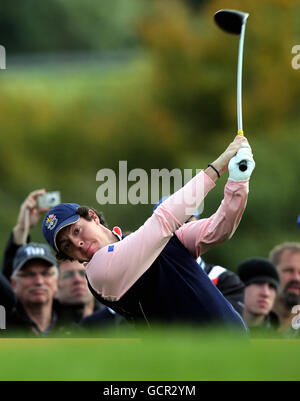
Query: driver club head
231	21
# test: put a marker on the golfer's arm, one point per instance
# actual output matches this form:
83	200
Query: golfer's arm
199	236
115	268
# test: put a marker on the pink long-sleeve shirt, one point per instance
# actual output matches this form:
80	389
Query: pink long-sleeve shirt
116	267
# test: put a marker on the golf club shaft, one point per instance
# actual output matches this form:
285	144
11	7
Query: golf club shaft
239	81
243	163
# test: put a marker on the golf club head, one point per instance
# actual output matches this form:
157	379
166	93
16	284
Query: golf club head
231	21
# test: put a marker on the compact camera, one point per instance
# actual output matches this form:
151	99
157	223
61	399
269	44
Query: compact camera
49	199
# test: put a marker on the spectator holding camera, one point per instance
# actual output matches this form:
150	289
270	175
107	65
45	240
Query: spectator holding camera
29	216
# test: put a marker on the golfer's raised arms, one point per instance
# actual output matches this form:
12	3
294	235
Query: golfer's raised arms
199	236
123	263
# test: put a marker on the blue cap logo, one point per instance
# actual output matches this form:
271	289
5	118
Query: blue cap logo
51	222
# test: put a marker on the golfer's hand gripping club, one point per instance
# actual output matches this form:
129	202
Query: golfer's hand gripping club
244	154
243	163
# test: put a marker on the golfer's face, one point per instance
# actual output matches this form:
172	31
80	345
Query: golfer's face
81	240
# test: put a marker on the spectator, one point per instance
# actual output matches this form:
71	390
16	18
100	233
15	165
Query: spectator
261	284
75	305
34	281
286	258
152	275
75	301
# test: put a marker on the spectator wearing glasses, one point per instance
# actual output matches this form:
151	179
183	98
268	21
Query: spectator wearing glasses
73	300
75	303
34	280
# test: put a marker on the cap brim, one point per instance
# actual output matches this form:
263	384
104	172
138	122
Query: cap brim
65	223
34	257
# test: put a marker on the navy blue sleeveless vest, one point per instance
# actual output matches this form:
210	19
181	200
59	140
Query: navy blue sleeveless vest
174	290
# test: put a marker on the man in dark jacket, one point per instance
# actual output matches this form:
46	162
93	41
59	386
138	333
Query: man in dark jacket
34	281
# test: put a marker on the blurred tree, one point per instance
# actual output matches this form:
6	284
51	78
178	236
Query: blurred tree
195	66
55	25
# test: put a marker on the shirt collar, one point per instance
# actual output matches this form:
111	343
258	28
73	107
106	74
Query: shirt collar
117	232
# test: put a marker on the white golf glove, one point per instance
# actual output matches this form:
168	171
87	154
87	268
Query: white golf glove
244	153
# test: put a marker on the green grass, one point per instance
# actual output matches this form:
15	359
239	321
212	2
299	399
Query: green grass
161	356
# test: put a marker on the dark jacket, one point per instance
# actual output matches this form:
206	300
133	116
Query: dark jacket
65	318
18	323
268	328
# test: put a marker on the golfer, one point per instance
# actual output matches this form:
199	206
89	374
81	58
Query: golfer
152	275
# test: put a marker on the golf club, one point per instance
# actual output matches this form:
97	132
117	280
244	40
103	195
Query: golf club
234	22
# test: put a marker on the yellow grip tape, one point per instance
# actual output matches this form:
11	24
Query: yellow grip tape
240	132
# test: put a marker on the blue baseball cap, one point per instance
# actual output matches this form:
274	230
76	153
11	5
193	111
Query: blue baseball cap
58	217
195	214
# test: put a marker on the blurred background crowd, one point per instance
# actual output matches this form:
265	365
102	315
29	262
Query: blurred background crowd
154	83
